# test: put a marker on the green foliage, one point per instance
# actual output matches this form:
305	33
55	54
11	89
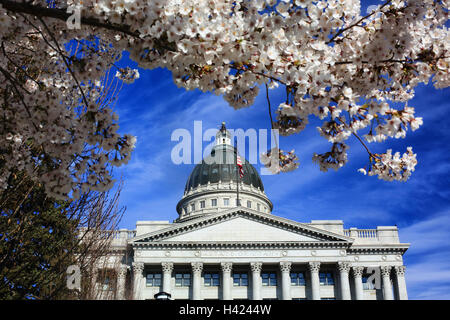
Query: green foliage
37	242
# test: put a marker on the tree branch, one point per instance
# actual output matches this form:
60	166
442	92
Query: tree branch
61	14
358	22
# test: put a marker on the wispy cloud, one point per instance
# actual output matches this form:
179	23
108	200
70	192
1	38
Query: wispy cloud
428	259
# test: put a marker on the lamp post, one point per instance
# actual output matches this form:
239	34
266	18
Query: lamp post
163	296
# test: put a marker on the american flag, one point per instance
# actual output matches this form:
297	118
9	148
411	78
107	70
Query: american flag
239	164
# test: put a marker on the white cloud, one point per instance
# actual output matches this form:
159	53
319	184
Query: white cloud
427	260
429	234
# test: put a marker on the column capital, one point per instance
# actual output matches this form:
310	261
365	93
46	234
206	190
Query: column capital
122	271
344	266
138	267
314	266
167	267
197	267
400	270
386	271
358	271
285	266
256	266
226	266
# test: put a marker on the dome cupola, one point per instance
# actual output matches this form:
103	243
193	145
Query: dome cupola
211	186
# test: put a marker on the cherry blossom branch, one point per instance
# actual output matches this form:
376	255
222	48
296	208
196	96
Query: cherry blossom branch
15	64
257	73
357	137
396	61
65	62
270	113
60	14
357	23
13	82
268	103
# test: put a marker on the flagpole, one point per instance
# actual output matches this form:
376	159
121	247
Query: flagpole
238	203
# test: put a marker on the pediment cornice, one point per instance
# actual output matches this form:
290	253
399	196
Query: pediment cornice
194	245
282	223
378	249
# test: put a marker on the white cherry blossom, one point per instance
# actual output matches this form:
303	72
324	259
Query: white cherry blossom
354	71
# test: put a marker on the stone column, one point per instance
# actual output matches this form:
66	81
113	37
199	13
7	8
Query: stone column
357	276
167	268
226	280
197	268
95	292
256	279
138	268
401	284
344	269
387	288
121	278
314	268
285	268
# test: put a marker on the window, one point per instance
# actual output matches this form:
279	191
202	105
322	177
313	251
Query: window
240	279
226	201
182	279
269	279
258	207
192	207
202	204
238	202
249	204
214	202
367	285
298	279
211	279
326	278
153	279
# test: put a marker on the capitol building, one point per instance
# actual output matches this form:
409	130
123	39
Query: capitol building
219	249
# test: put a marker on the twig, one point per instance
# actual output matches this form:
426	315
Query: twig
357	23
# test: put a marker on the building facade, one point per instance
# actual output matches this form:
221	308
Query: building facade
219	248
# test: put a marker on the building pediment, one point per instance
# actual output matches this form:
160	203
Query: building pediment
241	225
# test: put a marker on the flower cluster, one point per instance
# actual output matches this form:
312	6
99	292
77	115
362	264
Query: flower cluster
333	159
288	122
277	160
336	64
57	125
127	74
392	167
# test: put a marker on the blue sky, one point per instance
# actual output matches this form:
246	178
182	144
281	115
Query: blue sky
153	107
